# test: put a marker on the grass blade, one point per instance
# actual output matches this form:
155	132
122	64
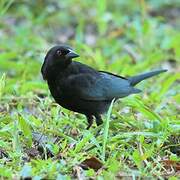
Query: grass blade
2	84
106	130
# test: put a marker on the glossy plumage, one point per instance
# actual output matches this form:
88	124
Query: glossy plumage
82	89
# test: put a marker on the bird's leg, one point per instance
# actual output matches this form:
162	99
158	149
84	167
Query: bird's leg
99	120
90	120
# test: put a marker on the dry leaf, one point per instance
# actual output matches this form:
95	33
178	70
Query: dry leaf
74	132
170	163
92	163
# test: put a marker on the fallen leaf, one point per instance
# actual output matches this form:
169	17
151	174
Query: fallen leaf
32	152
93	163
170	163
74	132
115	33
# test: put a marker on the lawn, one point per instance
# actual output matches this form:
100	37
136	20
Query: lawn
140	137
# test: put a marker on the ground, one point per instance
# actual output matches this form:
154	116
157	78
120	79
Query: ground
140	134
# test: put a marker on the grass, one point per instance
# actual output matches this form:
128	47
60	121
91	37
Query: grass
40	139
106	129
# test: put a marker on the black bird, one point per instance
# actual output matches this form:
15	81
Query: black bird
80	88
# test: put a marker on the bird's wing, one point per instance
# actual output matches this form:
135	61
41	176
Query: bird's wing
105	72
102	86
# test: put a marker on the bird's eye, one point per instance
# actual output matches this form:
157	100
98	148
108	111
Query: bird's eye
59	52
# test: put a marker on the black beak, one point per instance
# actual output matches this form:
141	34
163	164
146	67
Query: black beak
71	54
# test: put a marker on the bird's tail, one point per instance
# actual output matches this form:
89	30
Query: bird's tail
136	79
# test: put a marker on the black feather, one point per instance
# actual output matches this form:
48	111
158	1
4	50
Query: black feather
82	89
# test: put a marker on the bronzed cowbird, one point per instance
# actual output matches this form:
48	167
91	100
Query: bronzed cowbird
80	88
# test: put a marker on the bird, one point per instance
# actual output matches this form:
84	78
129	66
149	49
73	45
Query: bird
80	88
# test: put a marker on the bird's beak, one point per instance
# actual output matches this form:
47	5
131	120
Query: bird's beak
72	54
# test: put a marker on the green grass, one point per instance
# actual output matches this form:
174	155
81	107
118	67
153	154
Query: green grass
140	134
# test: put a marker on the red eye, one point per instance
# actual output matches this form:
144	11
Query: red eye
59	53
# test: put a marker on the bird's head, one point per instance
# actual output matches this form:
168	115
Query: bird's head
58	57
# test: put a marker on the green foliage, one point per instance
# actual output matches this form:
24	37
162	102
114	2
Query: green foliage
106	129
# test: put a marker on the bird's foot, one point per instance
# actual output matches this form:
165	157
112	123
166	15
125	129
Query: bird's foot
90	121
